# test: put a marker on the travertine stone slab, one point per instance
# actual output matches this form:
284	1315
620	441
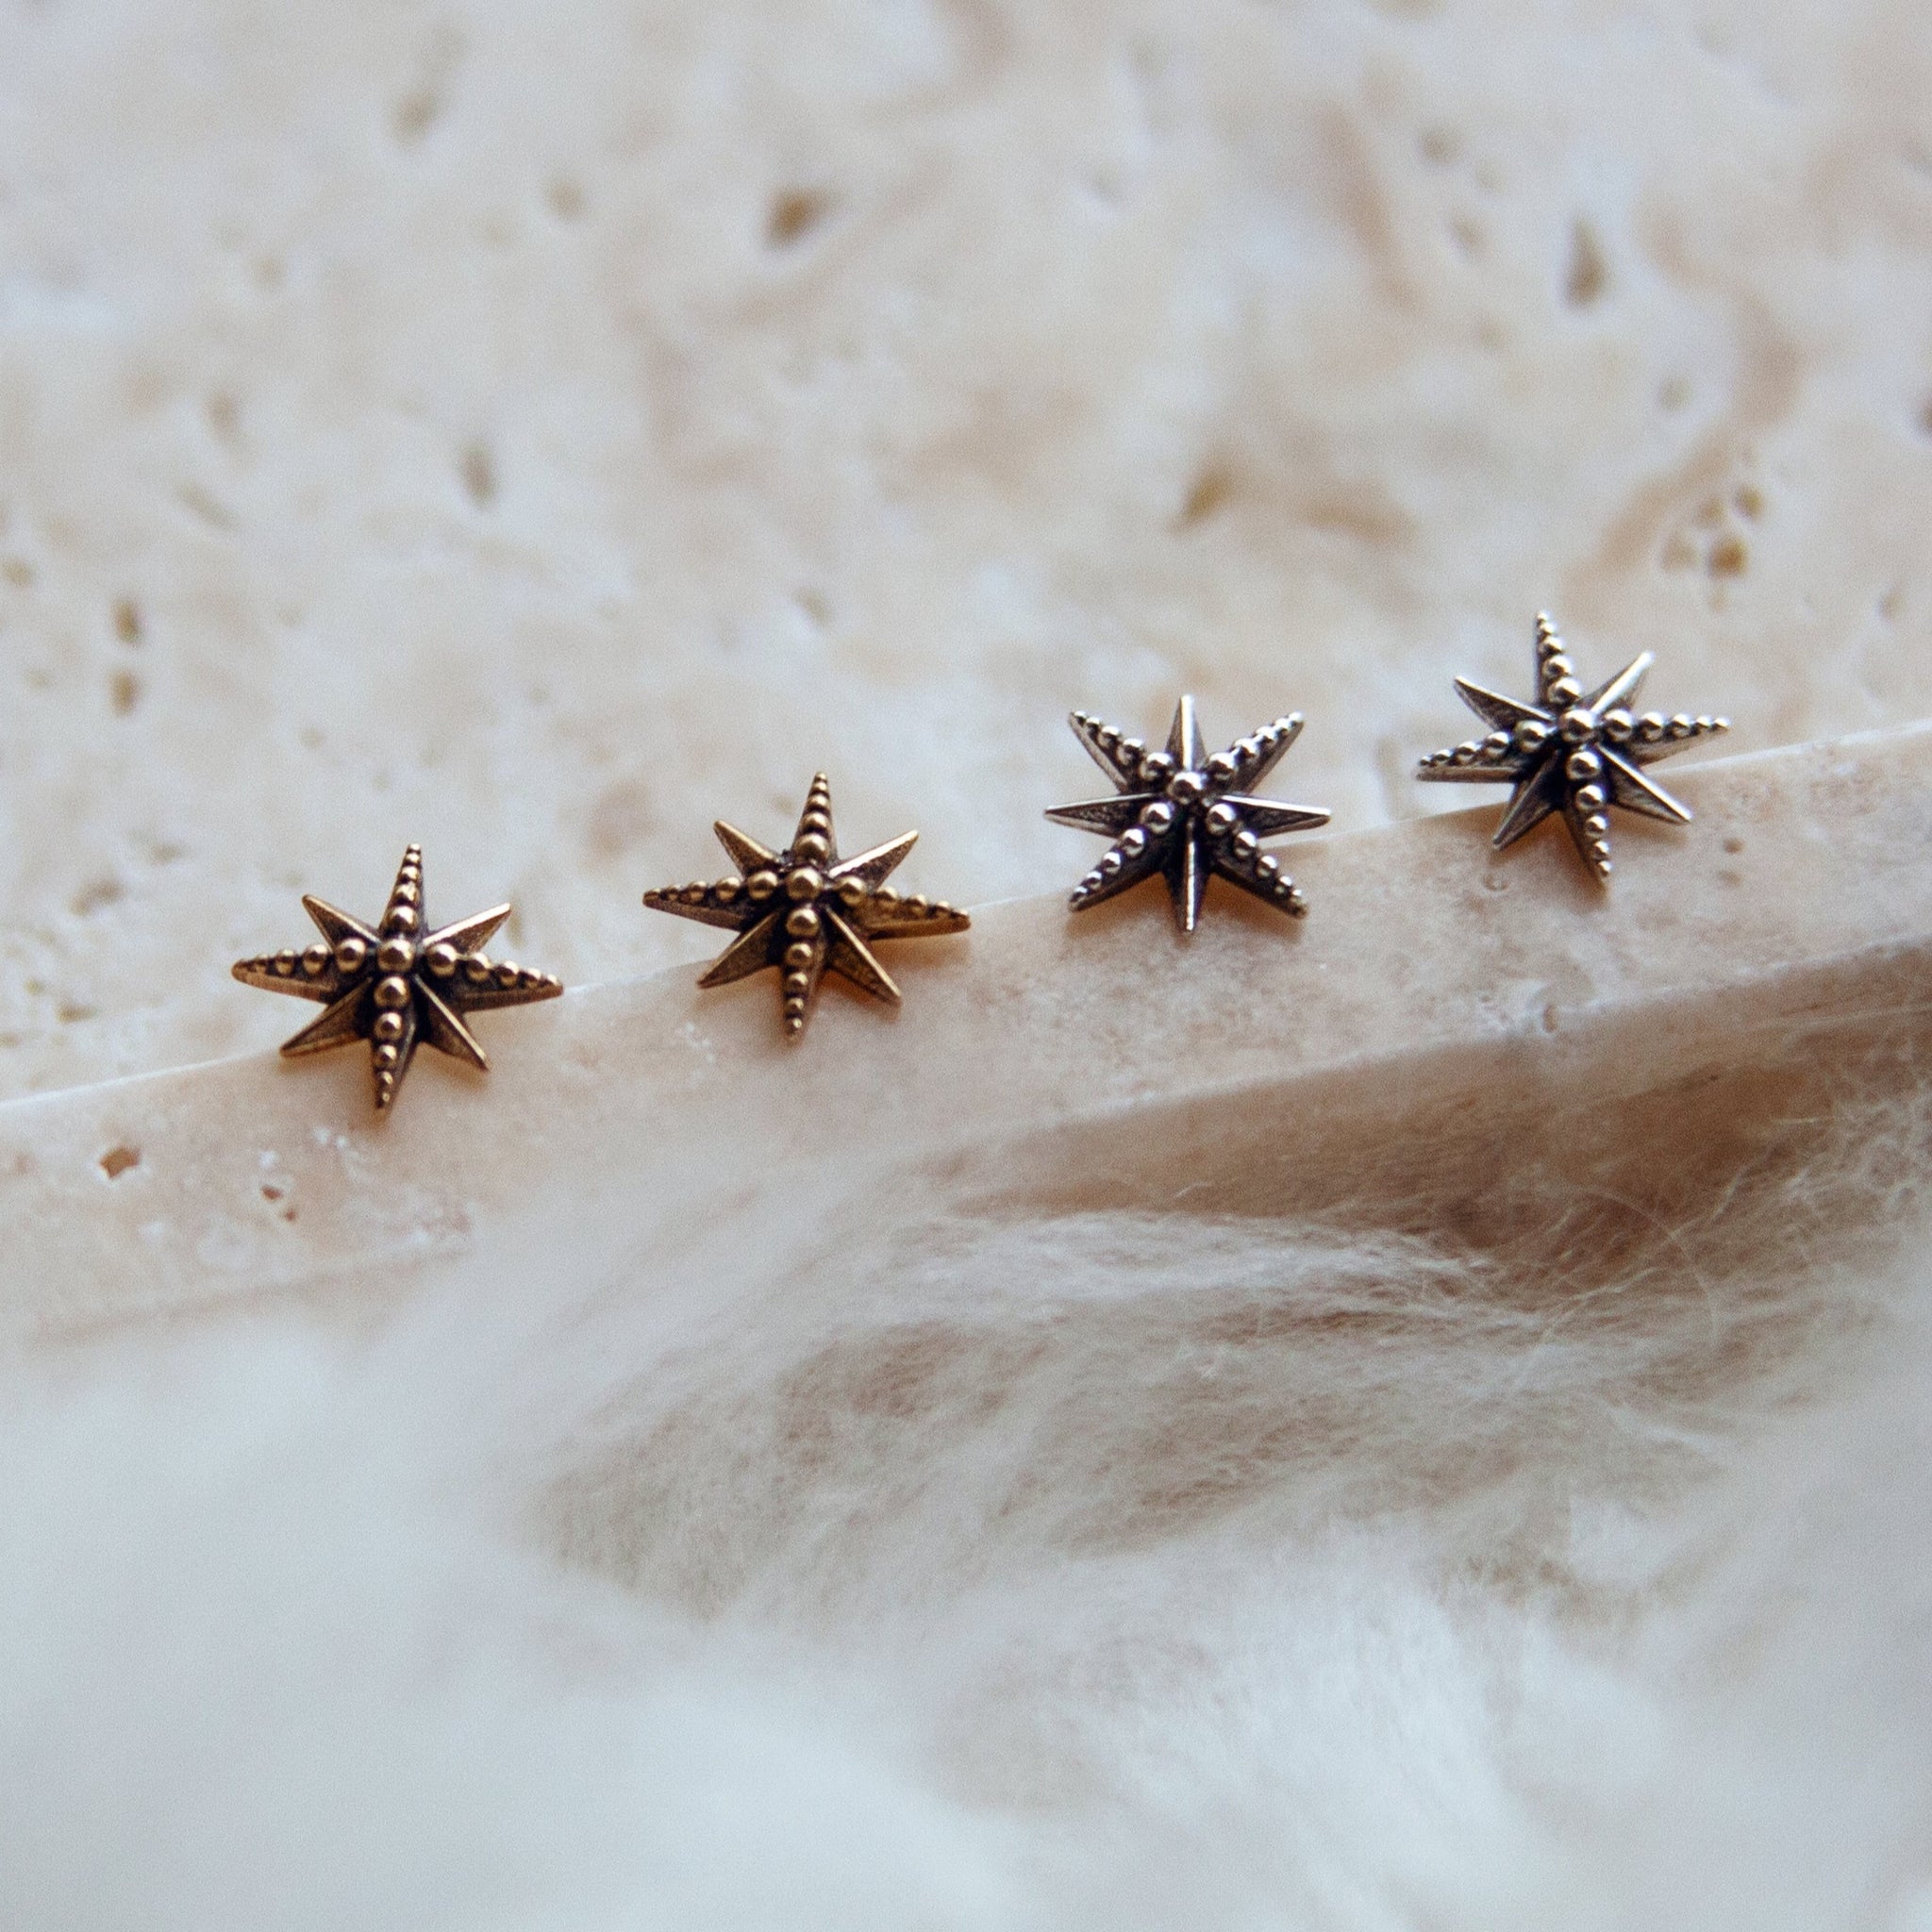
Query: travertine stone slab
534	429
1442	1013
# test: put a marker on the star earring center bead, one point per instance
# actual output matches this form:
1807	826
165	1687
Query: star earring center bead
807	911
1187	816
394	987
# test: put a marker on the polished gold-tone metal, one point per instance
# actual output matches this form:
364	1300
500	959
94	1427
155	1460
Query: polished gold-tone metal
1186	815
1573	753
807	911
394	985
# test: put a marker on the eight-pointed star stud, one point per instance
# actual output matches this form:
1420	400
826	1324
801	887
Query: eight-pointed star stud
393	986
808	911
1574	753
1186	815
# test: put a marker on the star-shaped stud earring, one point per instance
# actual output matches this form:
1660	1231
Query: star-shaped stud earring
393	986
1573	753
808	911
1186	815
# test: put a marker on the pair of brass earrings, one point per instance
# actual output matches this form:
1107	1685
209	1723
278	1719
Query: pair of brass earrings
1178	812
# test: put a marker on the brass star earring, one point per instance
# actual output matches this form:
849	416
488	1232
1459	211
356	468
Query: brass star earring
1571	754
1186	815
394	989
808	911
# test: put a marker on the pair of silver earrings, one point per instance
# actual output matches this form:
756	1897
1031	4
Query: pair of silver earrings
1186	815
1180	813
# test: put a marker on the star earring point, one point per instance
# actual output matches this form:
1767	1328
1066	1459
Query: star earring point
1571	752
808	911
1185	816
394	987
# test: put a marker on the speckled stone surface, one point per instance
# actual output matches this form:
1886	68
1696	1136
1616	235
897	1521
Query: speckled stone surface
536	430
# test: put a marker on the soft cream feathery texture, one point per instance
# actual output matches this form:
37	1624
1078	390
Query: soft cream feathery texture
1150	1571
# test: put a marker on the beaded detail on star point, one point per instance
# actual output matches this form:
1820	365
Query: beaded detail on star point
807	911
1187	816
1573	752
394	986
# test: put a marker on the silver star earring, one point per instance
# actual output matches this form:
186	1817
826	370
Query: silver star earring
1575	754
1186	815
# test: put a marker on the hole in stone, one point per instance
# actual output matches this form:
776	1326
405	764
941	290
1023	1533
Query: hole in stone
97	893
223	416
1729	557
127	623
273	1190
123	692
117	1161
1589	275
415	116
71	1012
795	214
479	474
197	502
1210	492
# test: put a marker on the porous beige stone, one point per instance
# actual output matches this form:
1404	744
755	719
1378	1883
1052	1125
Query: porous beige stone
533	430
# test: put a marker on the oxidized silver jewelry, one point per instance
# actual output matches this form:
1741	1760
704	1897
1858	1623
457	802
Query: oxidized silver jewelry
393	988
1186	815
807	911
1573	754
